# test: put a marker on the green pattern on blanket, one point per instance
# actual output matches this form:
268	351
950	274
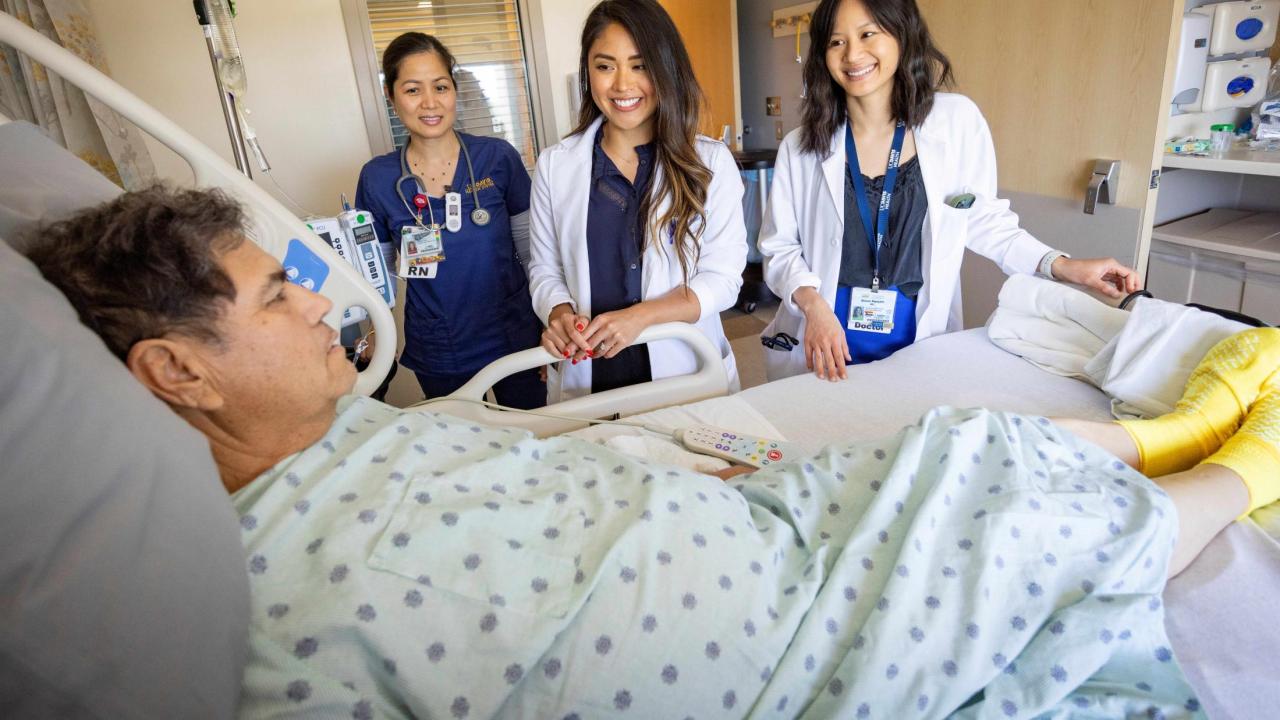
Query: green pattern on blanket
977	564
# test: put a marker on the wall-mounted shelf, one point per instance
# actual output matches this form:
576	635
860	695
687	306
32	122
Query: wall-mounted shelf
1236	160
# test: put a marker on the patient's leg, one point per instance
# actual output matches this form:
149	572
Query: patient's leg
1242	476
1208	497
1218	395
1253	453
1107	435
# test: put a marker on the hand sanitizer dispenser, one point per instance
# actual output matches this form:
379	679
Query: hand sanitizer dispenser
1193	53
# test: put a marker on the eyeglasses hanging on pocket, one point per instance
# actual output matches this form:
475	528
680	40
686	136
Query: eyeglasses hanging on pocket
781	341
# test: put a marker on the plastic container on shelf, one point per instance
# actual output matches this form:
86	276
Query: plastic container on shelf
1221	136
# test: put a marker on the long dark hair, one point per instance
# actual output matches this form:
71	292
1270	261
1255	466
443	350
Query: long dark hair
412	43
680	100
922	71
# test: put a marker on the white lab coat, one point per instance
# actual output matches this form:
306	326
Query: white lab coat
803	231
559	273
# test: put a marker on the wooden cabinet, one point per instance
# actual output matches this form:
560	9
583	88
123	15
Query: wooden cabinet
710	32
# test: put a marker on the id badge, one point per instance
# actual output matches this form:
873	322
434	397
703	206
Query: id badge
420	249
872	310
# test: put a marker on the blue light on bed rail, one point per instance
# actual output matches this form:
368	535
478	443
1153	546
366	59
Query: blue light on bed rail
303	267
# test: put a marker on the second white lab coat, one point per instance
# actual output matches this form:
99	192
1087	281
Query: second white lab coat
558	263
803	231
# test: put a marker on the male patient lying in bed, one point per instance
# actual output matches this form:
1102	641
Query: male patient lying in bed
413	564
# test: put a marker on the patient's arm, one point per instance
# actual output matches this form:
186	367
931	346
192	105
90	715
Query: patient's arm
733	471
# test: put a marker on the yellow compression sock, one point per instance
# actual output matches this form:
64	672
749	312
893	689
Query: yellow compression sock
1232	375
1254	451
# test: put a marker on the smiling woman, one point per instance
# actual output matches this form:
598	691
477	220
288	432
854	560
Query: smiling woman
468	298
654	209
879	192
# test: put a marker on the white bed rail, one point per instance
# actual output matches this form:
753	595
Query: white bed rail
709	380
273	225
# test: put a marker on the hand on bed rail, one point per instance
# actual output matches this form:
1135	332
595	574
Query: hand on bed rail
1106	275
563	336
610	333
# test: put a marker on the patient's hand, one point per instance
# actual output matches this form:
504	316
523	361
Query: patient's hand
733	471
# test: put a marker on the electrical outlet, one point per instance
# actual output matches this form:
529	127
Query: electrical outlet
777	130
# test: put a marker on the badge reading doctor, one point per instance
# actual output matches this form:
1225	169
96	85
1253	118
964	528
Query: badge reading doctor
872	310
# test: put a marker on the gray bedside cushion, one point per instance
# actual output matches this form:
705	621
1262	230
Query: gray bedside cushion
42	181
123	590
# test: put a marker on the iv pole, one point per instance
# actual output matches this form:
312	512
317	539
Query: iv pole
228	101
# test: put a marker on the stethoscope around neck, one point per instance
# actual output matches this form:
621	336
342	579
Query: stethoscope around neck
479	215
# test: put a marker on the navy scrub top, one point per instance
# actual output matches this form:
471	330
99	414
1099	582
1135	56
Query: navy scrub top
615	252
477	308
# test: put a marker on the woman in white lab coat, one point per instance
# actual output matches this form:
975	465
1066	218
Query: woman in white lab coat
860	277
635	219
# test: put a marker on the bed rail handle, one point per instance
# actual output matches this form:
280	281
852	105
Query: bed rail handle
709	380
274	225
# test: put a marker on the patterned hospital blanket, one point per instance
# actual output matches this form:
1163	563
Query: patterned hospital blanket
977	564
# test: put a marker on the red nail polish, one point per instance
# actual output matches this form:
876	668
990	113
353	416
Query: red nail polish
581	327
575	361
566	354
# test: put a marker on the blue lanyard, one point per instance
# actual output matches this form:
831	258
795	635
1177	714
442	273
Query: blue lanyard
860	190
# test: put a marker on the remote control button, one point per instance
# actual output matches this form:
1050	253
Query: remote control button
774	455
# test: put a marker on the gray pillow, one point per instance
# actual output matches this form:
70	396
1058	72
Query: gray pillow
123	591
42	181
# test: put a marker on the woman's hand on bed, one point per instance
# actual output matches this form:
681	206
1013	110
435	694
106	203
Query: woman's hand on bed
825	348
563	336
1106	275
610	333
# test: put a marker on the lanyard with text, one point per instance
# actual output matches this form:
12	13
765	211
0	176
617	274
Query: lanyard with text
875	237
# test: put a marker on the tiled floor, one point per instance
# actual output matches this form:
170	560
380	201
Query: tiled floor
743	331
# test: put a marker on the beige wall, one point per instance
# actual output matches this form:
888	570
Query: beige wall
562	31
302	89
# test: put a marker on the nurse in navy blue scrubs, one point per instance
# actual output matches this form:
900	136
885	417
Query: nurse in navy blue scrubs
468	295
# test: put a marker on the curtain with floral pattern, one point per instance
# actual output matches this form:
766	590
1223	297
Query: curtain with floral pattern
81	123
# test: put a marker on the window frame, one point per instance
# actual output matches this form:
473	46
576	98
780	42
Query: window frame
364	60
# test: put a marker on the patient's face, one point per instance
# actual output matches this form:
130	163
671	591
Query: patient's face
278	356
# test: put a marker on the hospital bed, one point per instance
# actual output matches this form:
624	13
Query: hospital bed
1220	612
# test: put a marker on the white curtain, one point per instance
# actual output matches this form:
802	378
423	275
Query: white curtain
82	124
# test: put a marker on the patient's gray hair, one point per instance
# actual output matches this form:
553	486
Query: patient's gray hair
144	265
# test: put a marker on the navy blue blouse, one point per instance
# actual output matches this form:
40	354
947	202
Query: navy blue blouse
615	246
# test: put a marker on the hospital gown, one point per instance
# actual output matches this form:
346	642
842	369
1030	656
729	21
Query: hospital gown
977	564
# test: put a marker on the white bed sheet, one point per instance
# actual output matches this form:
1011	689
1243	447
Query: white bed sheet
1220	613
